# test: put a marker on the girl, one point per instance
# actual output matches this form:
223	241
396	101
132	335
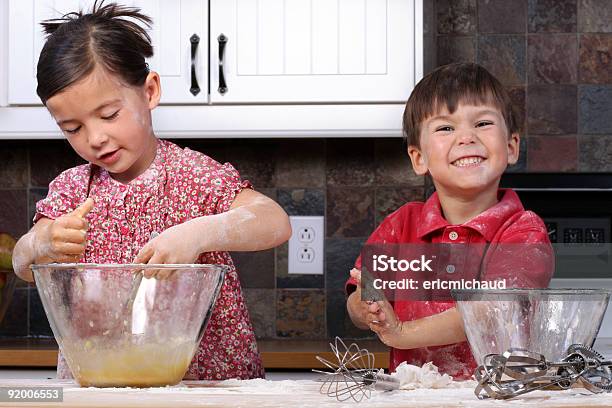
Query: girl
140	199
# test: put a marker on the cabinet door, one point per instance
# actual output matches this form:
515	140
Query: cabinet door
174	23
315	50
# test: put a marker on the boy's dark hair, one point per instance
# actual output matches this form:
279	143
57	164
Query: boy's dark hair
450	85
77	43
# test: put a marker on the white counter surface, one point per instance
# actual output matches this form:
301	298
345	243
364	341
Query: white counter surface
284	389
290	393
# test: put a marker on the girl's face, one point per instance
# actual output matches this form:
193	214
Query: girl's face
109	123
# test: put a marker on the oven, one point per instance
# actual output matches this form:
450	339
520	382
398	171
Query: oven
577	211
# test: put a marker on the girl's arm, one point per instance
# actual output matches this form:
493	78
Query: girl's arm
26	251
59	240
254	222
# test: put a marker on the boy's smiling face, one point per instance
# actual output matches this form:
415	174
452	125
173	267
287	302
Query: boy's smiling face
467	151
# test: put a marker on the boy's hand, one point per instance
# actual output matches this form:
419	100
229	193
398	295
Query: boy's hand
65	239
357	308
377	316
383	321
173	246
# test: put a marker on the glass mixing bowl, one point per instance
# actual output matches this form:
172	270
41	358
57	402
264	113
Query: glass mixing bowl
544	321
114	334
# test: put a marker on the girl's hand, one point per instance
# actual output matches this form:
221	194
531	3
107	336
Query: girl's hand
65	239
176	245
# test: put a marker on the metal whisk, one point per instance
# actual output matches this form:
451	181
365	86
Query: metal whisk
519	371
353	374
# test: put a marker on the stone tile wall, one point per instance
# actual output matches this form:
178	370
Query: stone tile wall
554	56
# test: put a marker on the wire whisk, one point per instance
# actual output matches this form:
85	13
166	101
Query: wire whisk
353	374
519	371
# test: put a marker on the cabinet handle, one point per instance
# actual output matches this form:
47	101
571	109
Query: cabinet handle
222	85
195	41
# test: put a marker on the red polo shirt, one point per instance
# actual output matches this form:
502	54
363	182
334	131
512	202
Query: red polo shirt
507	222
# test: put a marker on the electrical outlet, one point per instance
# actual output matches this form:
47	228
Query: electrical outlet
306	255
306	234
306	245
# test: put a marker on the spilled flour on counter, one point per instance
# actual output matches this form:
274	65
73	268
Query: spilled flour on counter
412	377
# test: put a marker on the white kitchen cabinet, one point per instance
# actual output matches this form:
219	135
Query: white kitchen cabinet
174	25
3	53
292	68
313	51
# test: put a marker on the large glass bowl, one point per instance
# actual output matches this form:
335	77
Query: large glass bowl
118	330
8	283
544	321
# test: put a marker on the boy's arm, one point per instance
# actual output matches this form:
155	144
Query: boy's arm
386	232
523	257
436	330
357	309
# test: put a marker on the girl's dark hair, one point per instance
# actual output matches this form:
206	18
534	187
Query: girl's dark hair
77	43
450	85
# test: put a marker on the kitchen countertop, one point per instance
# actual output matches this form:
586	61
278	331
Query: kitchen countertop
281	354
262	393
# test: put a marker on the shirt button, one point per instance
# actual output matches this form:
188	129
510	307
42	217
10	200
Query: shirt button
453	235
450	268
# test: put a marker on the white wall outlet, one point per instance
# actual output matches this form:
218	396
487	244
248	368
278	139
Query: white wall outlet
306	245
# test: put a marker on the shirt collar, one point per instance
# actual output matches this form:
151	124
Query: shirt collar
431	217
486	223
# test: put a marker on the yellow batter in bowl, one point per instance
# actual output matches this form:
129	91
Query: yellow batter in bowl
133	365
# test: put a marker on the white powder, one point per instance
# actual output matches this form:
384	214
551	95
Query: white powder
304	393
412	377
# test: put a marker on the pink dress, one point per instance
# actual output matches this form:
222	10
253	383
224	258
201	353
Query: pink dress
180	184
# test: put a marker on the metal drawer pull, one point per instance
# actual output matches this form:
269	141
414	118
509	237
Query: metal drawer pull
222	85
195	41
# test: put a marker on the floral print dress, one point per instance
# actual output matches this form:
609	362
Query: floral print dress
180	184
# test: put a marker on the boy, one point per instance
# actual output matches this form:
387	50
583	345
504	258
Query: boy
461	129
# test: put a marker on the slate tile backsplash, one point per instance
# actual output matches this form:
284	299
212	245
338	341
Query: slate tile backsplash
504	56
551	109
552	58
552	16
552	55
502	16
594	16
354	182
